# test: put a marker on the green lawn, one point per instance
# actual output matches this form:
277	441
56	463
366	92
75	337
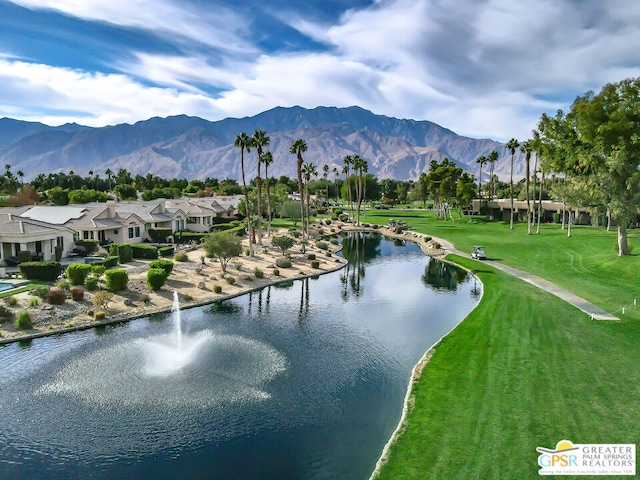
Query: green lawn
523	370
586	263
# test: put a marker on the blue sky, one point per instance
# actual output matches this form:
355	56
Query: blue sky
483	68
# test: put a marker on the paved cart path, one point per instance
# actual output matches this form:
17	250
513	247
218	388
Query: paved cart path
587	307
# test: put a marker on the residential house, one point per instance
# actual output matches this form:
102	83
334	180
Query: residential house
39	238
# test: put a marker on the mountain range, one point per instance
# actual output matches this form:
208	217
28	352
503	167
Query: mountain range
192	147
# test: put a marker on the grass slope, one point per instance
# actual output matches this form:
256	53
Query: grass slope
523	370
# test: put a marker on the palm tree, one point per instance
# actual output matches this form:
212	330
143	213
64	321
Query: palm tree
492	158
358	166
365	170
527	148
481	160
347	161
512	146
325	176
259	140
298	147
335	182
108	173
243	141
20	174
307	170
267	159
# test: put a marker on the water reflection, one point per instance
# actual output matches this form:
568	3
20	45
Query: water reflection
359	248
443	276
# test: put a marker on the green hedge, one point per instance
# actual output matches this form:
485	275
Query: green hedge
188	237
163	233
166	265
77	272
116	279
24	255
283	262
48	271
122	251
111	261
166	251
144	251
156	278
90	246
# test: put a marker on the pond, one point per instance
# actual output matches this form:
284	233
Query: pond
297	381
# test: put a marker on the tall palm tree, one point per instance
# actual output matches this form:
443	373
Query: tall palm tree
243	141
108	173
20	174
365	171
527	148
260	139
512	146
481	160
492	158
267	159
325	176
358	164
335	182
298	147
347	161
307	170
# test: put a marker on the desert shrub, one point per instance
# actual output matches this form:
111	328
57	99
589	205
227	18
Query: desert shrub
102	298
77	294
343	217
376	226
116	279
283	262
166	251
426	238
47	271
77	272
144	251
217	289
98	270
334	241
295	233
166	265
258	273
398	229
181	257
91	283
56	296
315	264
111	261
23	322
327	254
5	313
121	250
283	242
34	301
11	300
322	245
63	285
99	315
89	312
311	256
238	266
327	221
231	280
156	278
40	291
276	272
247	252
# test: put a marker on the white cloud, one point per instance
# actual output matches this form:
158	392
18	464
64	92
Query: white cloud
220	28
58	95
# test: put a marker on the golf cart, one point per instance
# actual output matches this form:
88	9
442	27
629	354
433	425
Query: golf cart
478	253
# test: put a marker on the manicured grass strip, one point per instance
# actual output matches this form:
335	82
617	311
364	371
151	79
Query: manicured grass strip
24	288
523	370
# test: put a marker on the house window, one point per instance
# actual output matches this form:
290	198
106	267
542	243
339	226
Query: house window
76	236
87	235
134	232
